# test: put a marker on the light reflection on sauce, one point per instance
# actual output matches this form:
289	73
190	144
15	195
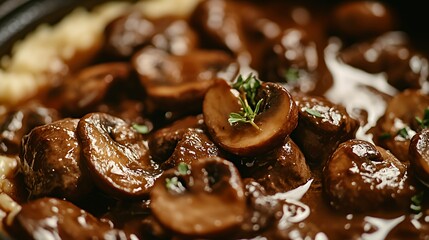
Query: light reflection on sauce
352	89
382	226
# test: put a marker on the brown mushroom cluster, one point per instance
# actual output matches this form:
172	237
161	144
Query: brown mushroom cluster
245	120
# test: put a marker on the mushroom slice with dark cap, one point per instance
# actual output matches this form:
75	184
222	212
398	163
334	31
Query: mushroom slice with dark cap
419	156
213	189
116	156
79	94
128	33
163	141
296	59
406	113
50	218
262	211
276	119
282	169
20	121
322	126
181	81
360	176
51	162
362	19
193	145
392	54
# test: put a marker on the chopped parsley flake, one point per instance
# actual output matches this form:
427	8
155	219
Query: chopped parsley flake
183	168
313	112
173	184
416	202
384	136
142	129
291	75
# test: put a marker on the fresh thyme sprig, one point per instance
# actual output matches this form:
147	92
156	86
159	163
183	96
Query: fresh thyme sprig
249	107
424	123
403	132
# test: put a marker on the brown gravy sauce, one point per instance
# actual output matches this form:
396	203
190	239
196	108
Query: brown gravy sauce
363	94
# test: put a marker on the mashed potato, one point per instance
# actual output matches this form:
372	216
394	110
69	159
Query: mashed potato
55	50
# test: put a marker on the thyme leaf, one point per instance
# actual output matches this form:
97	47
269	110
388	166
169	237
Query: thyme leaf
403	132
424	123
173	184
250	108
313	112
142	129
291	75
416	202
384	136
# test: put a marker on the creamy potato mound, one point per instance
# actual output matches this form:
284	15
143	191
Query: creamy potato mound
55	50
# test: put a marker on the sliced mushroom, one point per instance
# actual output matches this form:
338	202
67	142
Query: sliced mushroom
390	53
360	176
126	34
296	59
178	38
79	94
116	156
362	19
212	187
419	156
261	212
228	25
277	118
398	125
163	141
131	111
50	218
193	145
51	162
280	170
322	126
152	229
20	122
180	82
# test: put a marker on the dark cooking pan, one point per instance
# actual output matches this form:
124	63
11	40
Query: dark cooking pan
19	17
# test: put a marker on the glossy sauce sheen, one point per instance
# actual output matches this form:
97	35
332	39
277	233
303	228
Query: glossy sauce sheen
351	89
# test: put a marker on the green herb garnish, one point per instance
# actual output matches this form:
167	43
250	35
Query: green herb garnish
183	168
424	123
403	132
313	112
291	75
249	107
416	202
173	184
384	136
142	129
